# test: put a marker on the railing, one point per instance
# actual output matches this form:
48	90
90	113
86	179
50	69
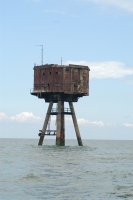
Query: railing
65	110
47	132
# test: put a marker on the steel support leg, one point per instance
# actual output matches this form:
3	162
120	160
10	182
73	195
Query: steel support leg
75	124
60	134
45	123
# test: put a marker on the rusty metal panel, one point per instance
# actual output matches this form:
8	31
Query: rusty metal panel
44	79
49	78
75	79
75	74
84	88
72	80
67	80
84	81
36	78
57	79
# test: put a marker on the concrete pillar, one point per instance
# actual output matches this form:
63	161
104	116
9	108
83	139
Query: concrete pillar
45	123
60	133
75	124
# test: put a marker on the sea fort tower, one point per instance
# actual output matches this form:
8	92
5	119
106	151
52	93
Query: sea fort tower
58	84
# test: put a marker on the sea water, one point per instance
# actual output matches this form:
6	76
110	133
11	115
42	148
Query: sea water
100	170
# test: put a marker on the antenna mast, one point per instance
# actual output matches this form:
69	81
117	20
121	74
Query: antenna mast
41	45
42	53
61	60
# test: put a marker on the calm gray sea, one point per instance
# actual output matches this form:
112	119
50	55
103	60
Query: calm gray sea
100	170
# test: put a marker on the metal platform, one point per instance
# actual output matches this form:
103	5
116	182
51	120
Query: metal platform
66	111
47	132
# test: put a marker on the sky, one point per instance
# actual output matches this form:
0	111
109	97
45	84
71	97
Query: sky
97	33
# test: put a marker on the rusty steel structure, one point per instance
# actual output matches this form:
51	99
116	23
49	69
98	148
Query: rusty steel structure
58	84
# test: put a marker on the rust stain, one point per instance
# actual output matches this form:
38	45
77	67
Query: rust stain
52	81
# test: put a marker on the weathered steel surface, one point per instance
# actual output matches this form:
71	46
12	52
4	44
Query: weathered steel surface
60	111
45	124
75	124
54	81
60	135
59	84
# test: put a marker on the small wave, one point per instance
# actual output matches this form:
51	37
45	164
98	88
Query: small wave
124	191
31	177
126	195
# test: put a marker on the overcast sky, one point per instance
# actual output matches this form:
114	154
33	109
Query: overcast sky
97	33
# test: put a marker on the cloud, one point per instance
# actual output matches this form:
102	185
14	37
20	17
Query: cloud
128	125
24	117
106	69
3	116
126	5
110	69
82	121
29	117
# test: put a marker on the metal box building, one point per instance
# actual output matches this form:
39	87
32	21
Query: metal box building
65	82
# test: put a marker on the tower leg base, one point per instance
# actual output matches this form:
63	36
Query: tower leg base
60	142
80	142
75	124
60	124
